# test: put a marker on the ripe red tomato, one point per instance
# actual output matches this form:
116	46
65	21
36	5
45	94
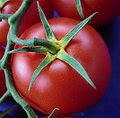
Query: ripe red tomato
108	10
12	5
59	85
4	27
2	77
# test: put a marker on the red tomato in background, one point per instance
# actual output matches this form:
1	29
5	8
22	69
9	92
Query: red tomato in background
108	10
59	85
4	27
2	77
31	16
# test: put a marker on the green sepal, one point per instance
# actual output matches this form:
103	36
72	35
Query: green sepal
69	36
39	49
49	33
47	60
2	114
79	8
62	55
2	3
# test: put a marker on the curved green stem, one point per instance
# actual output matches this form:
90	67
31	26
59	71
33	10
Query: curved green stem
5	16
15	95
39	49
20	13
14	22
6	57
52	47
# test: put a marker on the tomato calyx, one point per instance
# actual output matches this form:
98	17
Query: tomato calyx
3	2
55	49
61	54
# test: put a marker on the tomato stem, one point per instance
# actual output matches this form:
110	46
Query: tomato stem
14	22
5	16
51	46
15	95
16	18
39	49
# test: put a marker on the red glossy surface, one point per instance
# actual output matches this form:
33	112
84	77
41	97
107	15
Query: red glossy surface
31	17
58	85
2	77
107	10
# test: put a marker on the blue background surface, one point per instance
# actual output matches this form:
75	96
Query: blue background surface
109	106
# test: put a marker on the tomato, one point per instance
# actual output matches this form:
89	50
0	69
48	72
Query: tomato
2	77
12	5
4	27
107	10
59	85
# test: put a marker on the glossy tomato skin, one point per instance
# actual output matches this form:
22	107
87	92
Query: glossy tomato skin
4	27
107	10
59	85
2	77
31	17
